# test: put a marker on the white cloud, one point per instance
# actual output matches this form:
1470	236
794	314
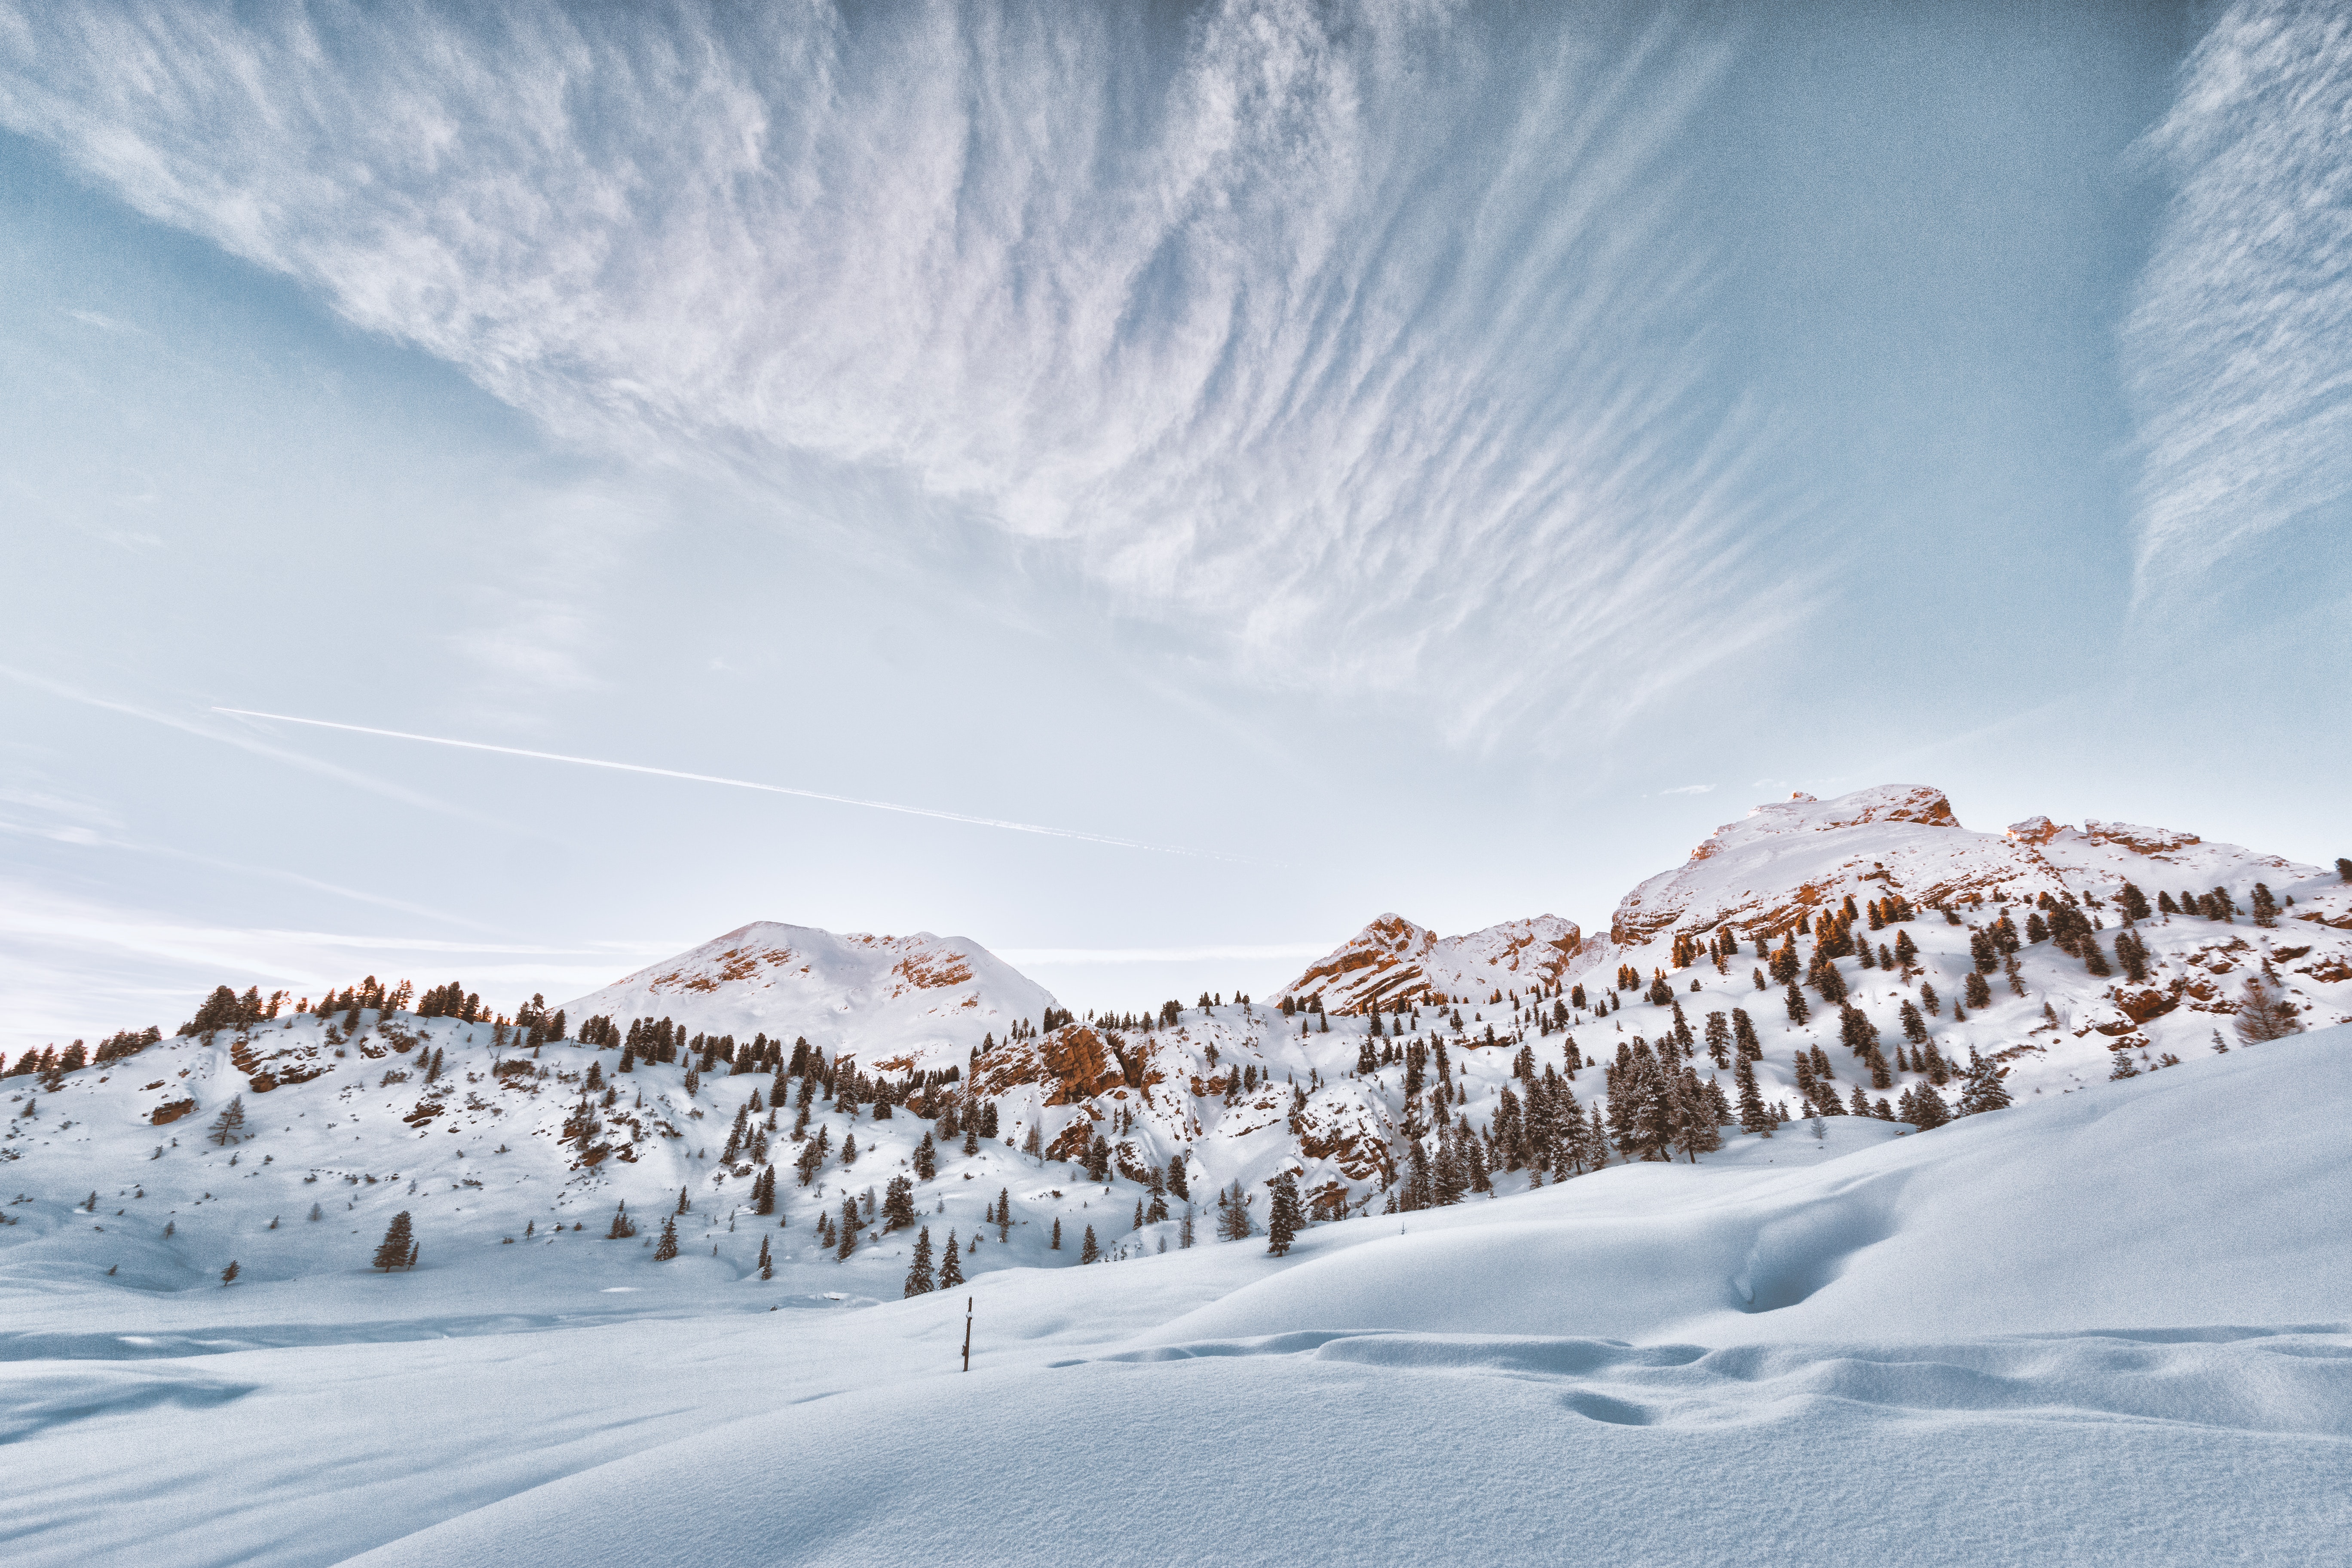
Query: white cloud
2238	347
1360	339
1689	789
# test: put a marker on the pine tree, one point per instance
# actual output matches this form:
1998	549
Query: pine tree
228	1275
898	1204
926	1158
622	1227
1057	1234
952	1264
1233	1215
667	1247
1004	1214
767	1263
1283	1216
846	1230
1087	1250
392	1253
1753	1116
1984	1091
230	1126
918	1273
1798	1011
2264	1014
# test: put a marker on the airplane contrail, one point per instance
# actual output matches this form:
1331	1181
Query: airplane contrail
732	784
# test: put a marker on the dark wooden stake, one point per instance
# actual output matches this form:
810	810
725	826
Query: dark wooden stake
967	1333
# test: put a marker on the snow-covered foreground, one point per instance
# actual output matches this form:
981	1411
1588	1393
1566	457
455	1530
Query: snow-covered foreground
2105	1326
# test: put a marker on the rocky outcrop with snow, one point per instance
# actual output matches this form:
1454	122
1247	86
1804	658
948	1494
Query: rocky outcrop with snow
1394	959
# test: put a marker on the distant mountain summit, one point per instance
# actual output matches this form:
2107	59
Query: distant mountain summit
920	1002
1786	857
1392	960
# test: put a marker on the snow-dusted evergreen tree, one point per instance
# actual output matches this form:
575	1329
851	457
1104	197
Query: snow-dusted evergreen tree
1087	1250
229	1274
847	1229
392	1251
1283	1216
952	1264
2263	1011
898	1204
919	1272
667	1247
230	1126
1234	1222
767	1263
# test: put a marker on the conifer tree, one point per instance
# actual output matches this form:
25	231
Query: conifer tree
1283	1216
898	1204
918	1273
1798	1010
1004	1214
767	1263
2264	1014
393	1252
1985	1091
846	1230
1753	1116
1233	1215
1087	1250
952	1264
1057	1234
926	1158
667	1247
230	1126
622	1226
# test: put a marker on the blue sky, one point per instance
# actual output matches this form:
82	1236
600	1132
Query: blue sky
1444	459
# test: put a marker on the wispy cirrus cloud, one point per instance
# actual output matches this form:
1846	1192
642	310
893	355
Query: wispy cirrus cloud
2239	346
1360	338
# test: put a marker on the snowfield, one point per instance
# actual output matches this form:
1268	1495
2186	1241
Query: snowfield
2103	1326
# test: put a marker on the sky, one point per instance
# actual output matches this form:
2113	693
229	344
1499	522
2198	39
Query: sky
1232	470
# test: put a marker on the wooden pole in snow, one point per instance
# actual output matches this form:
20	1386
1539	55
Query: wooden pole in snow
967	1333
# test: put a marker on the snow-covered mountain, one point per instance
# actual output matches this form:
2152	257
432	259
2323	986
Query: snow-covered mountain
895	1003
1546	1102
1394	959
1850	955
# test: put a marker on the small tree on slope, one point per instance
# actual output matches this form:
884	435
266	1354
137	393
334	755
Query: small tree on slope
1283	1214
393	1252
918	1273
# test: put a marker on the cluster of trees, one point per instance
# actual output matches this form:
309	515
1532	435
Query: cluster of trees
224	1009
920	1280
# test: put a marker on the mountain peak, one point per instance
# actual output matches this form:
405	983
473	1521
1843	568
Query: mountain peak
924	999
1394	959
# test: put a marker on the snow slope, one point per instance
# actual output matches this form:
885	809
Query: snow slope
918	1001
2101	1327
